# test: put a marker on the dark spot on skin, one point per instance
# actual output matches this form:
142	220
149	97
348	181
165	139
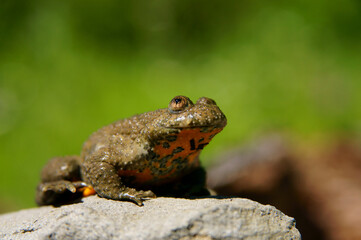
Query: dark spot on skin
162	165
204	130
166	145
179	163
211	136
177	160
162	169
201	146
163	161
151	155
200	140
193	144
171	138
178	149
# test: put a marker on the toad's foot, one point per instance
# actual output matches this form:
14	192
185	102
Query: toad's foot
61	186
56	192
135	196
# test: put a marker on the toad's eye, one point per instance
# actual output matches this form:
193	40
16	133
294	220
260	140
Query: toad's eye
179	103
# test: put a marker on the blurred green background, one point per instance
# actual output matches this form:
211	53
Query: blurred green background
69	67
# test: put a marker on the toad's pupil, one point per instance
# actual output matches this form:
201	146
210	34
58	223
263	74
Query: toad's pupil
177	100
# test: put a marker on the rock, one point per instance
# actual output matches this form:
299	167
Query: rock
160	218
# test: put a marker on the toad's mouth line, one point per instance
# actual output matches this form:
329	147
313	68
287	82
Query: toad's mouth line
218	126
198	127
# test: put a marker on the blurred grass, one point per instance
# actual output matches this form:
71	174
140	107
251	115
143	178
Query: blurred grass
68	68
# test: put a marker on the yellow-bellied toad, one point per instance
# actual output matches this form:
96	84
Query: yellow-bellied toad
154	153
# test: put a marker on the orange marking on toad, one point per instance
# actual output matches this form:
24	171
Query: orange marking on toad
87	191
185	139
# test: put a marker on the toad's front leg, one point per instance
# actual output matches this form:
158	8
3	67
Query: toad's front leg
105	180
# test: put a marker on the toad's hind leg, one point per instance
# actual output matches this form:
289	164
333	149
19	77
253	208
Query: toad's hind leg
108	184
60	181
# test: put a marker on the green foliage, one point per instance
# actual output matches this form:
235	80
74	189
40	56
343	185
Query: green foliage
69	67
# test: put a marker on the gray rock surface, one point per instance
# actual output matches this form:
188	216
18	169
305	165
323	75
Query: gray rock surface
160	218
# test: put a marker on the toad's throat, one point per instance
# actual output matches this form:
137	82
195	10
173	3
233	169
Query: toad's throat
173	156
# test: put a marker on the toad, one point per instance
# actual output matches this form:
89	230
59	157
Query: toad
147	155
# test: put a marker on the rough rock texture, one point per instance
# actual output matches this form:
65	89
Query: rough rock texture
160	218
